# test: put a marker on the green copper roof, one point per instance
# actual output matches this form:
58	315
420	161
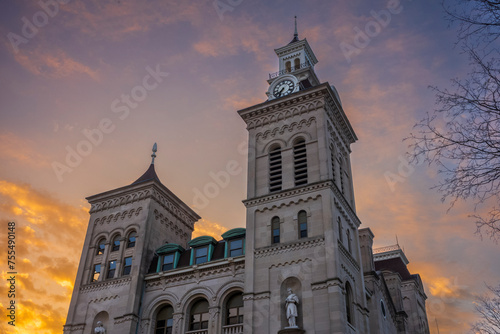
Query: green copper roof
200	241
234	233
167	248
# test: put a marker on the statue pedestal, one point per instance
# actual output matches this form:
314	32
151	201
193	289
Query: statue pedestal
291	330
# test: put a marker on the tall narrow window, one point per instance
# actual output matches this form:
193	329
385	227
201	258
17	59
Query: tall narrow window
302	218
111	269
127	267
339	225
296	64
168	262
165	320
234	307
101	245
300	162
349	246
116	244
97	273
275	169
288	66
334	167
199	316
131	239
341	172
275	226
348	303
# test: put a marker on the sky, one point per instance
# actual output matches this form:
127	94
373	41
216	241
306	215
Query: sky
87	87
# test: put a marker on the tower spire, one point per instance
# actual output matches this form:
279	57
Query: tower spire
155	148
295	34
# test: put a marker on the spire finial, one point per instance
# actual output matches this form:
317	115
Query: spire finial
155	148
296	34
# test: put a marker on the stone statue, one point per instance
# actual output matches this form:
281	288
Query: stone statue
291	308
100	328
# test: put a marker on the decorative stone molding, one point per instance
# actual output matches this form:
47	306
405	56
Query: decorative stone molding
126	318
105	284
187	220
72	328
348	272
286	248
174	228
119	215
283	110
257	296
325	285
348	256
289	263
132	197
144	326
103	299
286	194
287	127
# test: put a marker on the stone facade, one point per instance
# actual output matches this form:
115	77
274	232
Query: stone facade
141	272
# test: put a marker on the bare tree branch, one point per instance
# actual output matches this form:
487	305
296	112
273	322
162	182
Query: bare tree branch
488	308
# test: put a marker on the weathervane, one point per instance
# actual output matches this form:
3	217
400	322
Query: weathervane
155	148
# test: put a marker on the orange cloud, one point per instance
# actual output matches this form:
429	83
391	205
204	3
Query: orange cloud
49	237
205	227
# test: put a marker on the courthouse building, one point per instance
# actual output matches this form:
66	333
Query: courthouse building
141	272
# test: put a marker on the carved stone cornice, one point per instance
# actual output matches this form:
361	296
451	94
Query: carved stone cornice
286	248
326	284
196	273
149	190
257	296
126	318
287	127
119	215
105	284
311	187
103	299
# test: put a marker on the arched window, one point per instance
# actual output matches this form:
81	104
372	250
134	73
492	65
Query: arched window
288	66
234	309
300	162
339	225
296	63
275	226
348	303
116	244
199	315
101	245
302	218
131	239
165	320
275	169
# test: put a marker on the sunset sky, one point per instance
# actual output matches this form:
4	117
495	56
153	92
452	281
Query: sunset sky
71	73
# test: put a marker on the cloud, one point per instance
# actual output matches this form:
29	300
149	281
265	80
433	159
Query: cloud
21	149
209	228
49	238
52	64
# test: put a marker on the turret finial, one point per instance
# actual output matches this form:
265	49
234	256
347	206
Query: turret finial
155	148
295	34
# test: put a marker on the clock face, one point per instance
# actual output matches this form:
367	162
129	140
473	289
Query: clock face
285	87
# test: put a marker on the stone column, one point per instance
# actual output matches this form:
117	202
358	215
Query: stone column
177	328
213	323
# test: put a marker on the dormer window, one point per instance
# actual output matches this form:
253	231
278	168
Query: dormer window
202	249
235	247
168	256
235	242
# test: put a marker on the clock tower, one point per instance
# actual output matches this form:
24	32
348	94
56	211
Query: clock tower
302	227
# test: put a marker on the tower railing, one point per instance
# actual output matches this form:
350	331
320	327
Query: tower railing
289	70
